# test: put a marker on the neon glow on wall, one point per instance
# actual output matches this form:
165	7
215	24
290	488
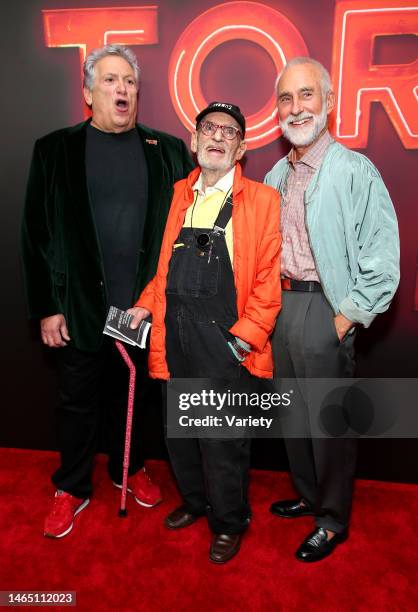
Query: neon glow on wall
356	80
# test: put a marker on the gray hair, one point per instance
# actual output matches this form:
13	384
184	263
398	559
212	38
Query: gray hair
98	54
326	86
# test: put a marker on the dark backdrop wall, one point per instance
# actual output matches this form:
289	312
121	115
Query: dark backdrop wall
41	92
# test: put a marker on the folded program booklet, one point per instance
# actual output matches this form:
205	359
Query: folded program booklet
117	326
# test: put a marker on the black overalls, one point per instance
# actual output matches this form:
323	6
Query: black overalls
212	474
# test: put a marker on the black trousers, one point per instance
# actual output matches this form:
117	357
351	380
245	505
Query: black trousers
212	474
306	345
93	390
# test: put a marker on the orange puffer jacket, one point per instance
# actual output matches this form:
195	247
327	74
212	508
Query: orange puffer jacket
255	226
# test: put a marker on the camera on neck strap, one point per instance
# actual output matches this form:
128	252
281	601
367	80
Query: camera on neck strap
203	240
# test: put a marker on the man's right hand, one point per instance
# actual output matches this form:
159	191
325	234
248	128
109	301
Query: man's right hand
54	332
139	314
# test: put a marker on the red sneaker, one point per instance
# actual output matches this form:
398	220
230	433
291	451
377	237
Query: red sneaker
60	520
145	492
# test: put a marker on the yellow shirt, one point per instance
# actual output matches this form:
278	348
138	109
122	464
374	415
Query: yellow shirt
208	205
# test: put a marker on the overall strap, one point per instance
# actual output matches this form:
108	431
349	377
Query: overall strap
223	217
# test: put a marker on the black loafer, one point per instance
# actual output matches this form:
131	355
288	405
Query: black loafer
224	547
179	518
291	508
317	546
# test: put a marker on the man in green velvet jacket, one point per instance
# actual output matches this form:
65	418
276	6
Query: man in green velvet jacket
97	200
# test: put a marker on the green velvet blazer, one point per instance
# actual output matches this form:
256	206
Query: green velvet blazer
62	263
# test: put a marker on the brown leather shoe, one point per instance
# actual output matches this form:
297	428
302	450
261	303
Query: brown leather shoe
179	518
224	547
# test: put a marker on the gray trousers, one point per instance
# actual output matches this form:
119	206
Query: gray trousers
306	345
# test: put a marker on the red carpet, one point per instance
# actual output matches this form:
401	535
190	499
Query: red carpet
134	564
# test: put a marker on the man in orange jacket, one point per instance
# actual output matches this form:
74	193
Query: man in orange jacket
214	301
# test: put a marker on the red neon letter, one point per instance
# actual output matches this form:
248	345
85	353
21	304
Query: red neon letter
358	82
92	28
235	20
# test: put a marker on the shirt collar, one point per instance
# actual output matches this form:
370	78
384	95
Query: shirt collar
315	154
224	184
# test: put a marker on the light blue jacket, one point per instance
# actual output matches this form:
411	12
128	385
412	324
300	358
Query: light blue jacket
353	232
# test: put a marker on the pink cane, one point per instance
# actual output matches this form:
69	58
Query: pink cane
131	396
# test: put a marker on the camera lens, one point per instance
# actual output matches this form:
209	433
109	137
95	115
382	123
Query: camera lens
202	240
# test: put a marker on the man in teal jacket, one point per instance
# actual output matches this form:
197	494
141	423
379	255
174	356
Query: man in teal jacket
340	268
97	200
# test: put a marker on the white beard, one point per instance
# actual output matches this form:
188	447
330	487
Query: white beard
224	165
305	135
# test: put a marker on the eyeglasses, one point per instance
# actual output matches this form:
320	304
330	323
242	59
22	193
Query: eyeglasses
228	131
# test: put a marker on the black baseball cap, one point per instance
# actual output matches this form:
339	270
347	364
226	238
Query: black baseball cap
223	107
